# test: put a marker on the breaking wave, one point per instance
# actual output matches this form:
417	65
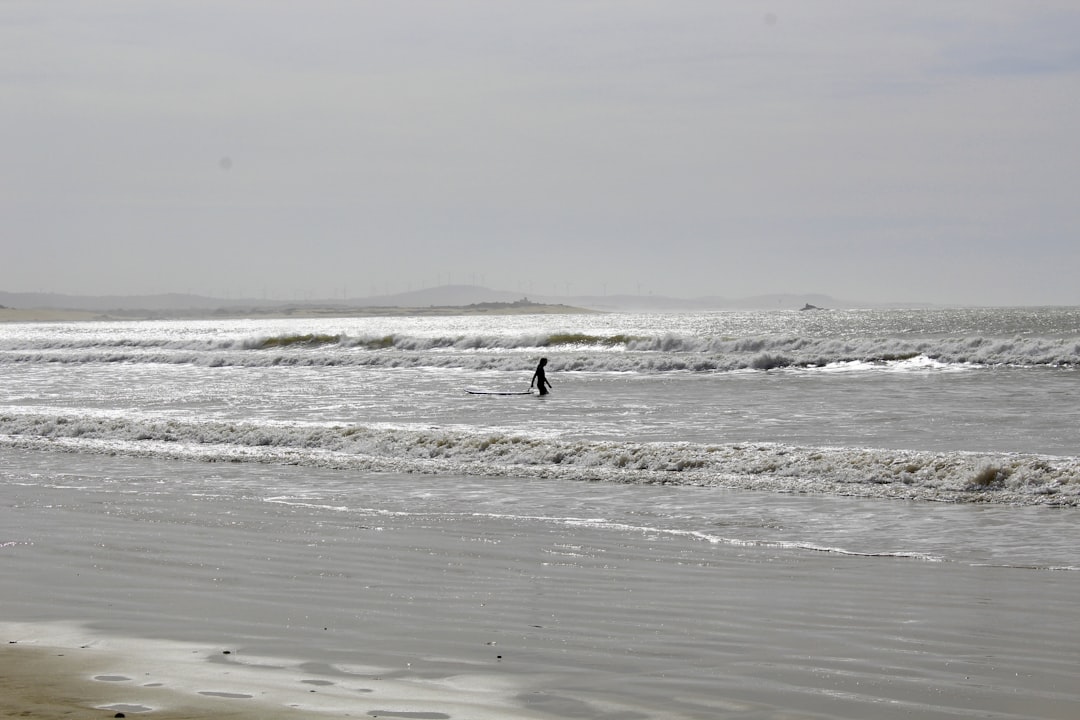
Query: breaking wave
941	476
567	351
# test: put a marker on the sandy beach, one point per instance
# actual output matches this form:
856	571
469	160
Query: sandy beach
128	589
62	682
111	677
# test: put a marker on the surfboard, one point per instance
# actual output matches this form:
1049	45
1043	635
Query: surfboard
498	392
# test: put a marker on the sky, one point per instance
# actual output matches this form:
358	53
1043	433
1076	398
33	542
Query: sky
885	151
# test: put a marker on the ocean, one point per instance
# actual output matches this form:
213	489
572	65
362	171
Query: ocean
941	445
957	405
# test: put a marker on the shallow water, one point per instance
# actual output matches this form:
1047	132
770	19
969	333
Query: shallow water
580	599
898	403
713	515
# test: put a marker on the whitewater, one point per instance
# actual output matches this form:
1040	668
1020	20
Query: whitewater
831	514
958	405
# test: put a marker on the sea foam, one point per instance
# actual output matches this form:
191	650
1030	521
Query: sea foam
643	354
870	472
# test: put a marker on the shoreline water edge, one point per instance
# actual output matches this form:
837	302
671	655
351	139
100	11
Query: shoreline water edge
761	514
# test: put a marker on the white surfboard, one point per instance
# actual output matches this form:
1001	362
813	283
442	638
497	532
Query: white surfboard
498	392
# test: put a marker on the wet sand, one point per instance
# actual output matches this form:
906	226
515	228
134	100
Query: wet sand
167	603
174	681
57	684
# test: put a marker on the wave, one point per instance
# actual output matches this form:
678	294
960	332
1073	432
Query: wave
567	352
883	473
651	529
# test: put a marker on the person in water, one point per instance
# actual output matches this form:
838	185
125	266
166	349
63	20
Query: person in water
539	378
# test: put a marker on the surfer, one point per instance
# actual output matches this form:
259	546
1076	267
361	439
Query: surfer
540	376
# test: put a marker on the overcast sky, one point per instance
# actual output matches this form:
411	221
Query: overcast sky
870	150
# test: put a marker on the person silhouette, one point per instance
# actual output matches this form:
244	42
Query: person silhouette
539	378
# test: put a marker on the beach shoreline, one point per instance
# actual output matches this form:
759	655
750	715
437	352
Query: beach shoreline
243	591
75	673
56	683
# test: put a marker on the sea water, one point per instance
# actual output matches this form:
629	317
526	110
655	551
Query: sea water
940	437
957	405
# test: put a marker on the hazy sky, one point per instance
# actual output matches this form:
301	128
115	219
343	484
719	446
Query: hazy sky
871	150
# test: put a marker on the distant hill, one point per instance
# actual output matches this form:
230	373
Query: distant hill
445	296
105	303
471	294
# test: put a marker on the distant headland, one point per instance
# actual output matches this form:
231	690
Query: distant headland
523	306
443	300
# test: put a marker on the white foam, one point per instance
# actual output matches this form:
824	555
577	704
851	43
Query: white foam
869	472
656	353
